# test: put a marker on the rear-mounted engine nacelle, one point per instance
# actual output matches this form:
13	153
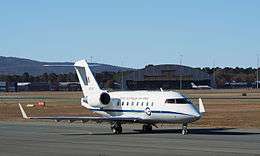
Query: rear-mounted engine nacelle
104	98
99	100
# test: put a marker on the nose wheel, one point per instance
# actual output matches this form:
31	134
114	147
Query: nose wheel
184	129
116	128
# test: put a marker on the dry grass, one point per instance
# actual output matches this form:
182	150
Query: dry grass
238	112
231	115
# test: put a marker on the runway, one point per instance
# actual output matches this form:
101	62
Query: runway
50	138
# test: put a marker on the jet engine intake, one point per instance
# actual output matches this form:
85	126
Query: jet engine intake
104	98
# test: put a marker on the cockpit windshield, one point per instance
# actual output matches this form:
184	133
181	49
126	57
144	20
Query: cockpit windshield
177	101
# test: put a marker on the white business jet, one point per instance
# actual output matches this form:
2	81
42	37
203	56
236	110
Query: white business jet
146	107
194	86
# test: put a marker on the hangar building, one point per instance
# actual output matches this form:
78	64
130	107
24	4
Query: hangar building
167	77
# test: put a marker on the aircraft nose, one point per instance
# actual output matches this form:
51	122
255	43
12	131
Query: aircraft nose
196	114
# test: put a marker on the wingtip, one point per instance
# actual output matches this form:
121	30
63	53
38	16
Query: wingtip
201	106
23	112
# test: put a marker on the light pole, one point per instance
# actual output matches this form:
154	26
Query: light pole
214	74
181	56
122	77
257	76
91	59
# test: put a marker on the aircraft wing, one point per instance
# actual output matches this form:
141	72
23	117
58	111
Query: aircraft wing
83	118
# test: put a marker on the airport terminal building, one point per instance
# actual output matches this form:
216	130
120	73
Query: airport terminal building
167	77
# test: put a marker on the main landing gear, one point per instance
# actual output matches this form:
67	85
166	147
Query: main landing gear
116	128
184	129
147	128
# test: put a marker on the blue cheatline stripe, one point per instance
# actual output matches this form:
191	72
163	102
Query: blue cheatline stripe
138	111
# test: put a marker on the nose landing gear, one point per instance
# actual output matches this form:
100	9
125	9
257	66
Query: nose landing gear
184	129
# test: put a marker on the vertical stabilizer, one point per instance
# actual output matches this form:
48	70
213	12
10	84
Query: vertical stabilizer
86	78
193	85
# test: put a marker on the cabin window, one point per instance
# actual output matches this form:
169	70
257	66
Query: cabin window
136	103
152	104
142	103
182	101
170	101
122	103
178	101
118	103
127	103
147	104
132	103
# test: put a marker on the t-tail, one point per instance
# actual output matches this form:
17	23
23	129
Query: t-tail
87	81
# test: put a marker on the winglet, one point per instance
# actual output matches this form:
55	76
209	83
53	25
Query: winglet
23	112
201	106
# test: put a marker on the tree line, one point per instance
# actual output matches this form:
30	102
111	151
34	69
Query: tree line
108	79
51	78
227	74
105	79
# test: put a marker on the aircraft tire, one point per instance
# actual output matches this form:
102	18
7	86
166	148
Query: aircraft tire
117	130
184	132
184	129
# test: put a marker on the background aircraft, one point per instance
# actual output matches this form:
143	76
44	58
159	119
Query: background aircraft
194	86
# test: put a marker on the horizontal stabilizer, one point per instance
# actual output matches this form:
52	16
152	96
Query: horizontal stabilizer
67	65
58	65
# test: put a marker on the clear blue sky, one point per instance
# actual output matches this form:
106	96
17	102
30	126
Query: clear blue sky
136	32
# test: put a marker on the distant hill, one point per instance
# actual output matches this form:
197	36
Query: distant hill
18	66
